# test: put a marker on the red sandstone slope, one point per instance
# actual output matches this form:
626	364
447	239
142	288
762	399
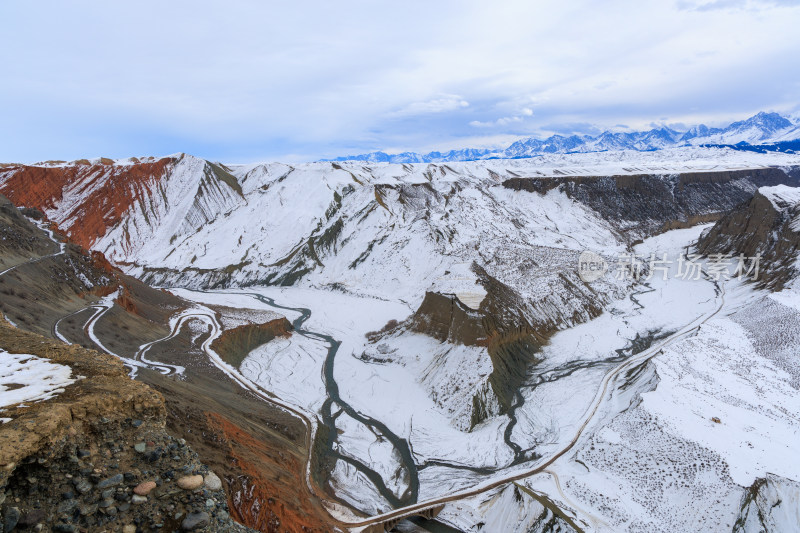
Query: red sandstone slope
90	197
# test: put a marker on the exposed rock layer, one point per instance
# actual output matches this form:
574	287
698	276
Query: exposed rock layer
759	227
504	323
92	214
236	343
646	204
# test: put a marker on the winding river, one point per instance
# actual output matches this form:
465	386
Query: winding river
334	401
638	351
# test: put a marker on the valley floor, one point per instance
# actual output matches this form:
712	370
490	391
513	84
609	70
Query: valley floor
493	388
662	425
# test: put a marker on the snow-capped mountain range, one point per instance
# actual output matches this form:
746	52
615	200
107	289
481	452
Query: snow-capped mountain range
759	130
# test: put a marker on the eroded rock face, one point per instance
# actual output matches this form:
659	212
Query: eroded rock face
446	319
510	329
511	346
769	505
236	343
759	226
115	187
646	204
503	313
260	495
113	206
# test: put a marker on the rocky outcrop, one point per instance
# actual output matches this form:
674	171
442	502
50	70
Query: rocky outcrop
509	327
765	225
641	205
114	189
446	319
236	343
502	314
97	455
769	505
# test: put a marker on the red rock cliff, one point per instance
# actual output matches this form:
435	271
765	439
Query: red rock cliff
83	185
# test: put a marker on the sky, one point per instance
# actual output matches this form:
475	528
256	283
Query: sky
247	81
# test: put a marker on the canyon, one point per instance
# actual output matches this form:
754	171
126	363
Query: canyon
352	345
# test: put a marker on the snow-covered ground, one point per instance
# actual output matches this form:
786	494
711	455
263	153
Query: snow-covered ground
709	416
719	417
27	378
652	456
289	368
673	401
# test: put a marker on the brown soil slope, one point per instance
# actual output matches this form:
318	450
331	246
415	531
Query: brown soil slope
72	462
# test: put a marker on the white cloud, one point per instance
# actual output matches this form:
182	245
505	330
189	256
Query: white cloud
253	80
503	121
449	102
753	5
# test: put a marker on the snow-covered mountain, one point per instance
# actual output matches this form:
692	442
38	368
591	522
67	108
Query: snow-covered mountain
763	128
760	129
209	223
182	219
466	154
443	340
399	232
701	130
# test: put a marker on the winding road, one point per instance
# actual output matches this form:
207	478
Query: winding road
44	226
406	505
311	422
100	308
541	464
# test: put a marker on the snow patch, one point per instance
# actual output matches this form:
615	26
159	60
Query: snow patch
717	375
781	196
785	199
459	279
28	378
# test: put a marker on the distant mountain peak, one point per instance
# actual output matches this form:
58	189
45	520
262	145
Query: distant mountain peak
768	122
765	127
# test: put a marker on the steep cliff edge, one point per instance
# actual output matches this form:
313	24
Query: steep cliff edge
502	324
56	289
96	454
236	343
647	204
769	225
769	504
